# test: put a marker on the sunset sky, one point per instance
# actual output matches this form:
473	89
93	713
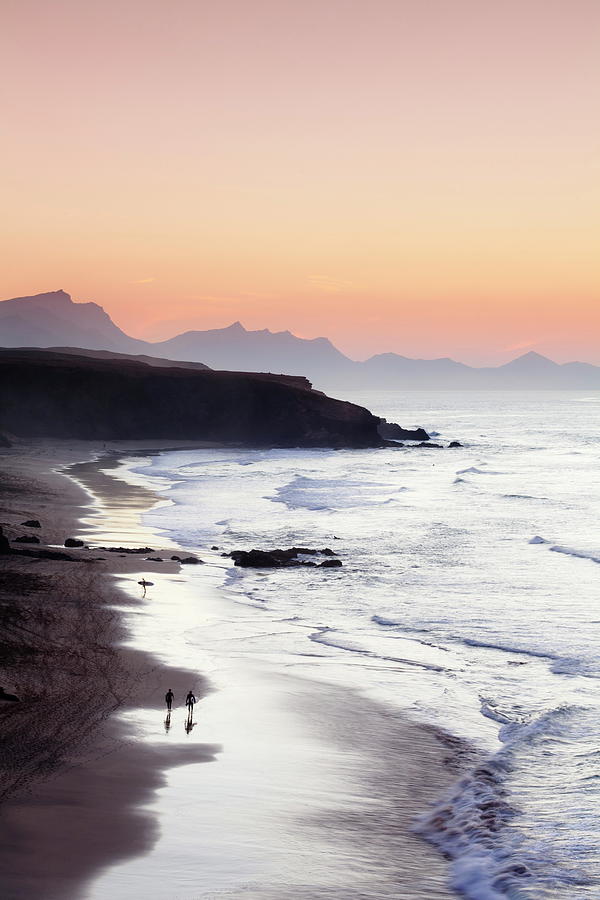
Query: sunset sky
411	175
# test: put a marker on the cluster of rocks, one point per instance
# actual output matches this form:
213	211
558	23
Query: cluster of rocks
23	539
280	559
187	560
393	435
75	543
121	550
42	553
428	445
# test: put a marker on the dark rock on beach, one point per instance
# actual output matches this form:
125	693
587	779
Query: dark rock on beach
26	539
154	559
74	542
31	523
389	431
124	550
11	698
331	564
4	545
455	444
46	554
187	560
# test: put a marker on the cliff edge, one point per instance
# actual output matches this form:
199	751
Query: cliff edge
61	395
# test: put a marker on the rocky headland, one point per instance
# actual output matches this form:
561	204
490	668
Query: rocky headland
46	394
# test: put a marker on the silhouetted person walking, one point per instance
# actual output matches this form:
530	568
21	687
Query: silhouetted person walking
189	702
169	699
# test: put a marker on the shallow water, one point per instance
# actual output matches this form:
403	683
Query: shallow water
302	797
445	605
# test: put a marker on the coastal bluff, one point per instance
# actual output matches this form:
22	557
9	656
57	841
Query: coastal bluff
47	394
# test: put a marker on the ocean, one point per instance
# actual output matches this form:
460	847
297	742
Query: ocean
468	598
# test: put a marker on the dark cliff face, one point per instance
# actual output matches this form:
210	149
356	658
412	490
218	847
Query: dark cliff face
45	394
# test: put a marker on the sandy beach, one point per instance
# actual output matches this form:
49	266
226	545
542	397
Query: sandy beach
92	785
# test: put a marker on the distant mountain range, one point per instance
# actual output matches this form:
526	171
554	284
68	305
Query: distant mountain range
54	320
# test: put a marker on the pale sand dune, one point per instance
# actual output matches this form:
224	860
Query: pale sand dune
82	783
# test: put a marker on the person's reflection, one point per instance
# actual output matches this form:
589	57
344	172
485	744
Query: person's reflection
168	722
189	723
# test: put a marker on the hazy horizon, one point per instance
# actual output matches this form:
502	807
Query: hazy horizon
417	178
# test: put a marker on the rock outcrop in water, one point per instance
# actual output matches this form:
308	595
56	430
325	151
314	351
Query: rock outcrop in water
282	559
389	431
47	394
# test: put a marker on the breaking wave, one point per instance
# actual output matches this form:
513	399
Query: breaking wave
567	551
476	825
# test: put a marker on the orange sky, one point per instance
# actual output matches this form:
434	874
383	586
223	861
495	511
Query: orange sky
411	175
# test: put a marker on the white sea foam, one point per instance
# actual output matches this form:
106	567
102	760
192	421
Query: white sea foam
475	470
328	494
491	709
382	620
524	497
330	638
507	648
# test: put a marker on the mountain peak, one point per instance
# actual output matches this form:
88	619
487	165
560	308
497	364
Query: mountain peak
532	359
532	355
46	297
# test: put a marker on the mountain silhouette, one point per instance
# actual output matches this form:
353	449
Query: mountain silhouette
53	320
236	349
44	320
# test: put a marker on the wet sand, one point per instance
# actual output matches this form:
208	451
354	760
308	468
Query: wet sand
74	777
333	781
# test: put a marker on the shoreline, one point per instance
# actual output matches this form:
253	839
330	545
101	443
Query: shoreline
113	757
74	777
